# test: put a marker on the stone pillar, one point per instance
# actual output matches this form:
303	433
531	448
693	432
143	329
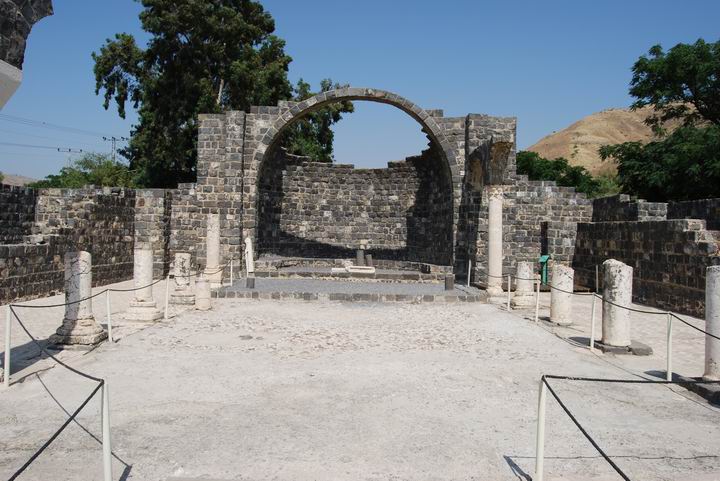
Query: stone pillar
202	294
249	257
360	257
183	290
562	283
212	251
142	306
79	325
495	243
712	323
524	286
617	282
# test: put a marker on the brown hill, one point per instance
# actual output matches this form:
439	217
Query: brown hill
19	180
579	143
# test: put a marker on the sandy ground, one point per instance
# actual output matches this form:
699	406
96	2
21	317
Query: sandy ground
292	390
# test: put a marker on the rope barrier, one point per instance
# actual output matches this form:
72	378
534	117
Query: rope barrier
57	433
693	326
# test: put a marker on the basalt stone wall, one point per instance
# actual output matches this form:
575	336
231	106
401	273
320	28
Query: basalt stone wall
706	209
17	213
323	210
153	211
539	217
624	208
101	221
669	258
16	19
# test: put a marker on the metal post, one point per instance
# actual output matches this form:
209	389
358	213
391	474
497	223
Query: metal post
597	278
537	300
668	371
6	363
107	448
231	271
509	287
540	438
592	324
167	295
109	321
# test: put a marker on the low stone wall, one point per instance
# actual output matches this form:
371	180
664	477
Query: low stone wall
669	259
17	213
706	209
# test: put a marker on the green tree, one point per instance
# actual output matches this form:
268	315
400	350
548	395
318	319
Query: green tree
202	57
90	169
312	135
684	84
560	171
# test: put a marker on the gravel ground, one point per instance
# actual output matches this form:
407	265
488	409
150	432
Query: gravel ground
326	391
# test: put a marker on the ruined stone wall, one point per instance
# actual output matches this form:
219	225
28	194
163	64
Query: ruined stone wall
624	208
101	221
539	217
706	209
316	209
153	210
16	20
669	258
17	213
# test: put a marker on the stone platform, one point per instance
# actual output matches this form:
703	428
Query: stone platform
349	291
380	275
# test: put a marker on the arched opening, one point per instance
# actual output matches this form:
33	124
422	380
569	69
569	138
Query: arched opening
400	214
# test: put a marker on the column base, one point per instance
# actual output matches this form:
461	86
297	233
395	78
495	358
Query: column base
213	276
184	298
144	311
522	300
81	331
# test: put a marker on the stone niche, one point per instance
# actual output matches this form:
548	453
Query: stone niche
324	210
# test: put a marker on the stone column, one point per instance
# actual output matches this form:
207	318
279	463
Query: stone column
617	281
249	257
183	290
202	294
212	251
562	283
524	286
79	325
712	323
143	307
495	243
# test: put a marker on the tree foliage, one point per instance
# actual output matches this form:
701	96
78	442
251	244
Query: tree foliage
312	135
560	171
202	57
682	83
90	169
684	165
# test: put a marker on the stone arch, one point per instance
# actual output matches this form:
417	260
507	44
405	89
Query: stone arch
291	111
300	109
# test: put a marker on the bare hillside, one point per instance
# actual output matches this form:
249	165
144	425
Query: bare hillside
17	179
579	143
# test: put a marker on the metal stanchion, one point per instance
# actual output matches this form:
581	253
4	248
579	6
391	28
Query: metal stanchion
509	286
597	278
540	435
469	272
537	300
167	296
231	271
6	362
109	321
592	324
106	446
668	375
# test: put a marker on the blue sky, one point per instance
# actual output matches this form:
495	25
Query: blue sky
547	63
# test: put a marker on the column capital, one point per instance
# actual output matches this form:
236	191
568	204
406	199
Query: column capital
495	191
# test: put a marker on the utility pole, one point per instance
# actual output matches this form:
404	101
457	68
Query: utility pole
114	141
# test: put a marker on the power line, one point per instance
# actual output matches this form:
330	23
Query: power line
48	125
48	147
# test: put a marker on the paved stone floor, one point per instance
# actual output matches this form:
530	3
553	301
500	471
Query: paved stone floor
354	287
324	390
